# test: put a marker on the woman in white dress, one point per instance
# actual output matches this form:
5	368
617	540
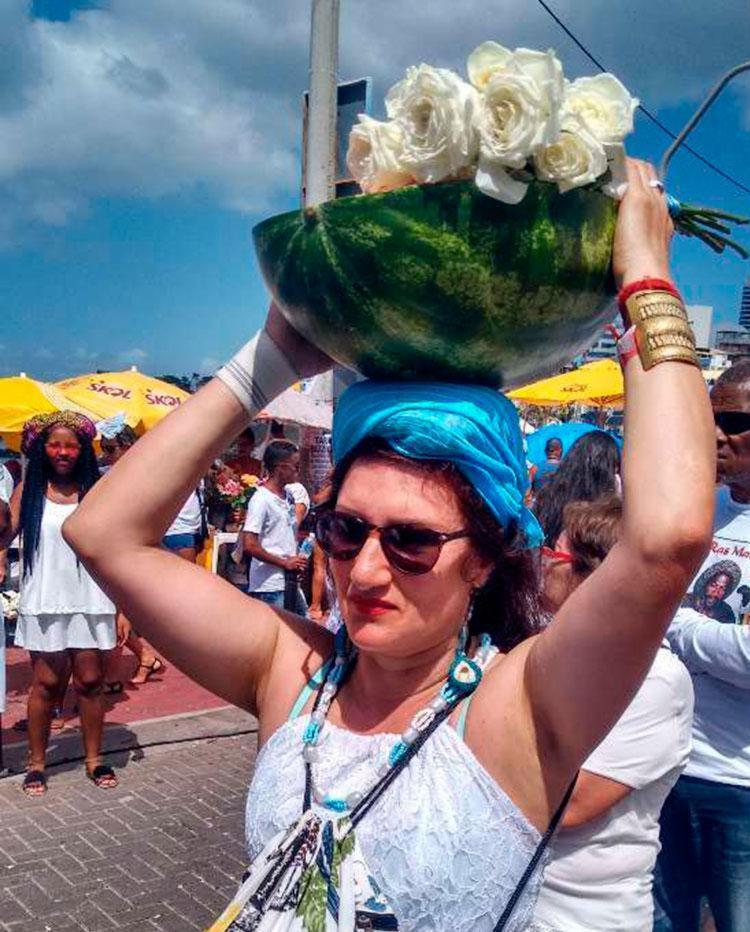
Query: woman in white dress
65	620
428	522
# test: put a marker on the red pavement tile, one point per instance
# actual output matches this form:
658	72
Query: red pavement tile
167	693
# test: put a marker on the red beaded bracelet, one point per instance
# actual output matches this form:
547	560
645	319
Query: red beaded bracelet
645	284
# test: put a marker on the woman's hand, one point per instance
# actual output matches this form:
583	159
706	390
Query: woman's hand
644	229
123	629
304	357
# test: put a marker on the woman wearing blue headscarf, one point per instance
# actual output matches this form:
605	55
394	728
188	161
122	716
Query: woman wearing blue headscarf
380	800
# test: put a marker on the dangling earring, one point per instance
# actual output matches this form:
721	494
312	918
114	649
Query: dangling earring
463	637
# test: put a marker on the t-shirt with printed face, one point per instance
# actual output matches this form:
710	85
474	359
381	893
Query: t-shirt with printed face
271	517
721	591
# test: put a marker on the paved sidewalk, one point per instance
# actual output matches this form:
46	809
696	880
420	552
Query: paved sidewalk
166	693
163	851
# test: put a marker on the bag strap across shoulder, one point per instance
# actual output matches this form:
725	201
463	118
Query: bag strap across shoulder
536	857
361	810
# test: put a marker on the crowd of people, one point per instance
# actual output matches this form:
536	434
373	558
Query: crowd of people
580	632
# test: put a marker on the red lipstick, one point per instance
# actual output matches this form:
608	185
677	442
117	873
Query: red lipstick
371	607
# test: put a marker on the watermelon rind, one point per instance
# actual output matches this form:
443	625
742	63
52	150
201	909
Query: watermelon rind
442	282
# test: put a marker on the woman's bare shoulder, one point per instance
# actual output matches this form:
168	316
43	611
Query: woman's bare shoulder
302	648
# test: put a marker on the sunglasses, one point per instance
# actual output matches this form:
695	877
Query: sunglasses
558	556
732	422
409	548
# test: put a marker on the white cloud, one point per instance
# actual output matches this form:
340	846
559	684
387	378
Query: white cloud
146	98
84	354
149	98
131	357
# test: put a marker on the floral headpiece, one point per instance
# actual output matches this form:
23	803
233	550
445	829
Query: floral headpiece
81	426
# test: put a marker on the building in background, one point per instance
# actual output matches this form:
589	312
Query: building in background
744	320
734	342
701	318
605	347
699	315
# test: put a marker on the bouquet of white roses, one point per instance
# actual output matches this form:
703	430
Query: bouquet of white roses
517	118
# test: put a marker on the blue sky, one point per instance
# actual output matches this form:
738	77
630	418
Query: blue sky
143	139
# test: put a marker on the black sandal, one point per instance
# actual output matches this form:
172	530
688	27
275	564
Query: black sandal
100	774
156	667
34	783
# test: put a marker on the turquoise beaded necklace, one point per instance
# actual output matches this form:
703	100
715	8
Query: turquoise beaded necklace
464	675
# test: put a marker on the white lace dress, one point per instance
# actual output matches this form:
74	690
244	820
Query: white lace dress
445	843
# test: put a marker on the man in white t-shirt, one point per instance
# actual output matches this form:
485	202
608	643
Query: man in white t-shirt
705	824
599	877
270	532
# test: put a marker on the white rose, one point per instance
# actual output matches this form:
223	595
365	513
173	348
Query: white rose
499	74
512	119
486	60
437	112
374	155
576	158
603	105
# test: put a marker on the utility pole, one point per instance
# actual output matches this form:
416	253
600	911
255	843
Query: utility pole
320	155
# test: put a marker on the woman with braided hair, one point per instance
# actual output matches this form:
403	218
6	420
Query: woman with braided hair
65	621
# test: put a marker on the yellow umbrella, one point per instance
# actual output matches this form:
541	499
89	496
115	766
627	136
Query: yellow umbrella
598	384
142	399
22	398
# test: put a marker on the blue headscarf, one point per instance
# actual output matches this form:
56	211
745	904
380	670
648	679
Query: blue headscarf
475	428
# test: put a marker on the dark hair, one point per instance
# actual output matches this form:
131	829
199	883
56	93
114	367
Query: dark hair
126	437
278	451
552	442
592	529
736	374
247	434
507	606
586	473
34	497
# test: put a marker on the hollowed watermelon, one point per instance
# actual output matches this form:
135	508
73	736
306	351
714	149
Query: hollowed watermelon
442	282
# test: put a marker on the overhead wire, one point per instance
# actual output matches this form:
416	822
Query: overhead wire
646	112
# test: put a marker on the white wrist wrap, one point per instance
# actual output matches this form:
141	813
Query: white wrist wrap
258	373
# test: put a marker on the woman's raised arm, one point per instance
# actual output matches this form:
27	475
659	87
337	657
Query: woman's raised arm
214	633
583	670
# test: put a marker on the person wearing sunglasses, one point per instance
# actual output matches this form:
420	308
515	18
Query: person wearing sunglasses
705	825
602	861
430	548
65	620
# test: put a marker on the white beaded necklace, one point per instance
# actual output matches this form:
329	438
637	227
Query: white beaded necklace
464	676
